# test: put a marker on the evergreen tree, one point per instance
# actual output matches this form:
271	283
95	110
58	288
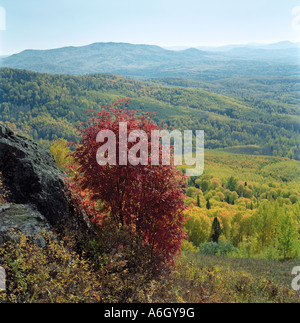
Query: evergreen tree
198	201
216	230
208	204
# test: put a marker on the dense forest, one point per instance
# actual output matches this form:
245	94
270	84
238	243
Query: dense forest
46	107
270	93
256	201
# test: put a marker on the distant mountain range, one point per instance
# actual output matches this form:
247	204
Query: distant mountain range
224	48
146	61
280	45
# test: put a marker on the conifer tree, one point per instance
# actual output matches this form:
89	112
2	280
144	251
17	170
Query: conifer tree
198	201
216	230
208	204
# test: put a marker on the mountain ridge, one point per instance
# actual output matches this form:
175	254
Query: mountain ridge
151	61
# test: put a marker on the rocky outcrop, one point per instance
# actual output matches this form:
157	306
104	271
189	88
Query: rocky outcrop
21	218
35	184
30	174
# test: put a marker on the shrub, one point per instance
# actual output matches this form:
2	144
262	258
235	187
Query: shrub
188	246
200	280
116	270
50	274
212	248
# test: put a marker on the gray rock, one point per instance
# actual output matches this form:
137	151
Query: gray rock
37	198
30	174
21	218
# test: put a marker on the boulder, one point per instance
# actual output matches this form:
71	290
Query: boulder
37	198
21	218
30	174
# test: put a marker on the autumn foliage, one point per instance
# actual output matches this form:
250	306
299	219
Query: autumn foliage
147	199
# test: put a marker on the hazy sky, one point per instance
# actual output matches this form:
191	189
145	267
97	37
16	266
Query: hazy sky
41	24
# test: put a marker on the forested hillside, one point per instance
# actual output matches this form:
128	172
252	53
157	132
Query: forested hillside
46	107
272	93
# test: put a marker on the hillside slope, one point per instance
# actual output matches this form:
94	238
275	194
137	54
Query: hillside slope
48	106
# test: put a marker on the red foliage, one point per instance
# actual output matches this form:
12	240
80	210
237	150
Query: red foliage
149	199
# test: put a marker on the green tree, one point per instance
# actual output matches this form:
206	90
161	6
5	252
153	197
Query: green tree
60	151
232	184
265	223
198	201
216	230
198	228
204	185
287	237
208	206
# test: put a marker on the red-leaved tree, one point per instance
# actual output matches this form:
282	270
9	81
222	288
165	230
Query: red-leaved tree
147	199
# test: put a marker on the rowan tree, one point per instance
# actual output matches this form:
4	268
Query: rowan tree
148	199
